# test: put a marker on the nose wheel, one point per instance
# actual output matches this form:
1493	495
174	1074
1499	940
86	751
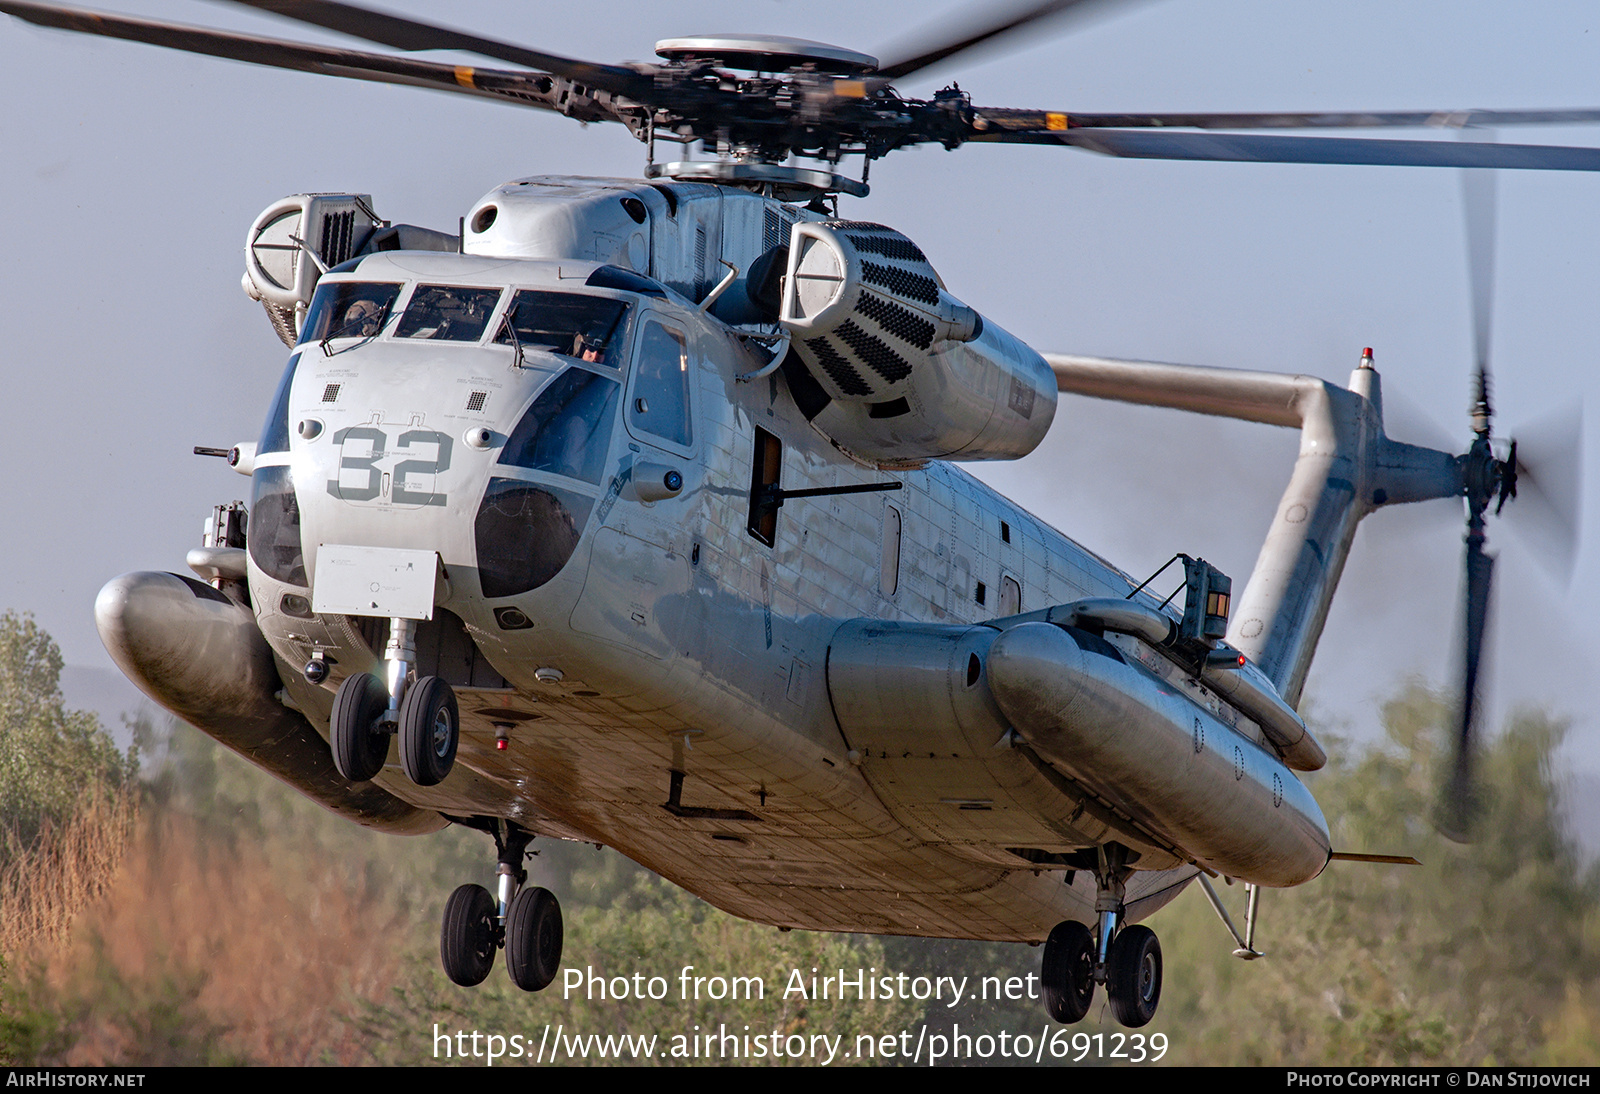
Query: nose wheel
360	739
430	729
526	921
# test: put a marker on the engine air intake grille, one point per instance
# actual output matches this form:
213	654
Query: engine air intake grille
895	246
879	357
896	320
837	368
903	282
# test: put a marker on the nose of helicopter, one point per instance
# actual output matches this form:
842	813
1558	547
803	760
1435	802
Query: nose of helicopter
471	421
494	470
397	447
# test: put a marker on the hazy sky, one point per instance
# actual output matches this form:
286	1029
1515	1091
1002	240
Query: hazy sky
128	176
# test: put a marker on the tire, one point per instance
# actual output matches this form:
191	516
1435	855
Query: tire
360	749
1133	976
1068	972
467	939
430	730
533	939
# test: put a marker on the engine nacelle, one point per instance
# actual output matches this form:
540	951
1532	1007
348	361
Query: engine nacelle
293	241
911	373
299	238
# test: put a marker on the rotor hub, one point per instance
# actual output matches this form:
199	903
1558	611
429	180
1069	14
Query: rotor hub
766	53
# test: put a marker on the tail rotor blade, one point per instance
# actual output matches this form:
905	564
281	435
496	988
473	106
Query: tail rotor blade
1478	205
1459	807
1549	463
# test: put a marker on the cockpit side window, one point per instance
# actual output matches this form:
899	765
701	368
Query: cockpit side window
348	309
661	385
568	427
584	327
448	313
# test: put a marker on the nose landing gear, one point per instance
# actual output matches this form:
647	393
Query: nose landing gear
527	922
424	715
1125	958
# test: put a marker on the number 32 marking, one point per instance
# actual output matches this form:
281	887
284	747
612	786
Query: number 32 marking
378	442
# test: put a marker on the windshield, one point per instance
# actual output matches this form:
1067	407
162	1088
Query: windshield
448	313
348	309
585	327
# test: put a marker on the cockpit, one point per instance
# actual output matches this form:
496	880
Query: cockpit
583	326
576	357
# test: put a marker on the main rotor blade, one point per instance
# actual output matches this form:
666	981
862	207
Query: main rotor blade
1457	813
409	34
932	54
1263	148
523	88
1401	119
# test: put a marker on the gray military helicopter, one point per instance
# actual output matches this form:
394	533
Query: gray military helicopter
631	510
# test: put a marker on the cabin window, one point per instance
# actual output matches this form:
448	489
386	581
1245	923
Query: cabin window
448	314
1010	596
889	565
584	327
660	403
568	428
348	309
765	471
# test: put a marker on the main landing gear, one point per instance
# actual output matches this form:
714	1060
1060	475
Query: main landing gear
527	922
422	713
1125	958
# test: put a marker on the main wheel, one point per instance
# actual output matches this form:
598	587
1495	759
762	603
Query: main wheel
360	747
466	941
430	728
1068	972
1133	976
533	939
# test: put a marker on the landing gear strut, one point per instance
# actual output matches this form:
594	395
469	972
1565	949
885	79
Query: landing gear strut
1125	958
423	713
527	922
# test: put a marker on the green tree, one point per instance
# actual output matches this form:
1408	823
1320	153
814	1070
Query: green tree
50	757
1475	957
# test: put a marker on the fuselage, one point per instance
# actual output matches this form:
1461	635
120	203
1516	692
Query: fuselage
610	640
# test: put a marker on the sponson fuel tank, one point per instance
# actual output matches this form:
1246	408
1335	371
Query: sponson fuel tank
199	655
1227	800
1135	760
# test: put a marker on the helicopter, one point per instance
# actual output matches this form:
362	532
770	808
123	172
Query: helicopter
854	450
